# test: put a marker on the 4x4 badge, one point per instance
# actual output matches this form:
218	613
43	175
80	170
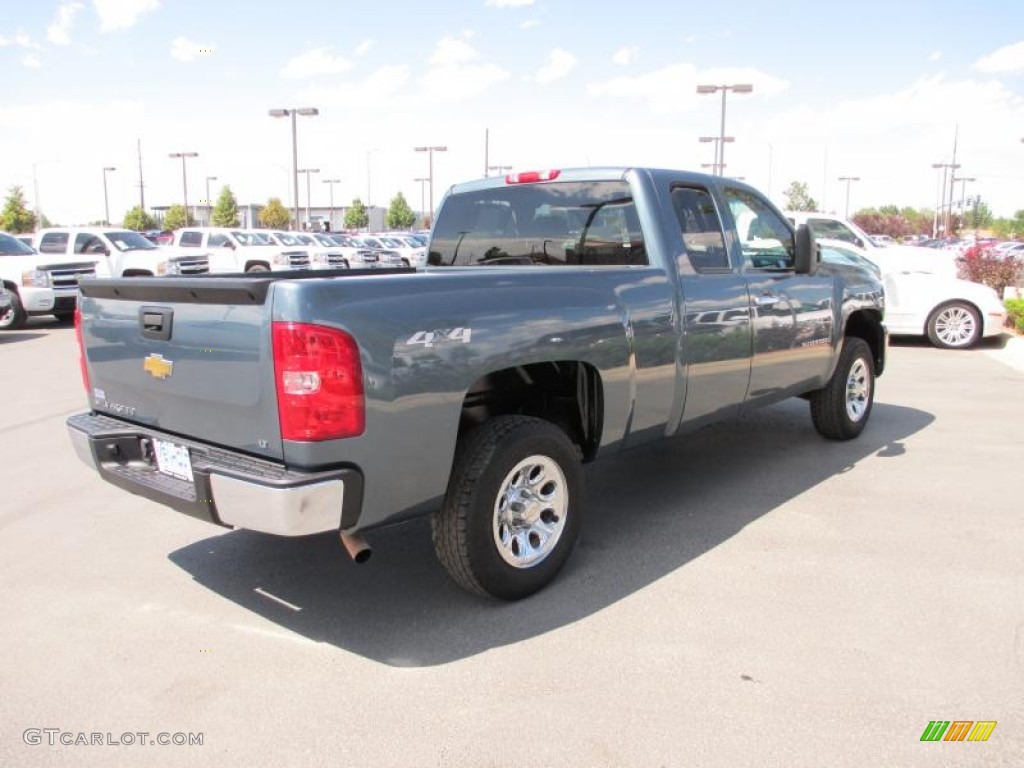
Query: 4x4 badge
157	367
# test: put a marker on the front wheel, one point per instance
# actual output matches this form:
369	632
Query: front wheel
841	408
954	326
513	508
13	318
258	268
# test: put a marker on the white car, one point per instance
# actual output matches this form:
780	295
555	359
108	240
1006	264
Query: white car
118	252
952	313
37	285
412	251
231	249
889	258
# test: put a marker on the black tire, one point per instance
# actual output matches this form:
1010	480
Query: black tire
840	410
64	317
14	316
467	528
956	325
258	268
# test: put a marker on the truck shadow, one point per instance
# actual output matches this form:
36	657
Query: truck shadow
650	512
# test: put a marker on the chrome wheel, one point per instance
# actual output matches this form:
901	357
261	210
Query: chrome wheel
530	511
858	390
955	326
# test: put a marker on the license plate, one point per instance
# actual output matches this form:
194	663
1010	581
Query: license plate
172	459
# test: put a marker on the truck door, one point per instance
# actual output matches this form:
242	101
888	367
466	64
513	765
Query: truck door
791	314
715	345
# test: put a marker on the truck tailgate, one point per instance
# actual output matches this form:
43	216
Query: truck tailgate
189	356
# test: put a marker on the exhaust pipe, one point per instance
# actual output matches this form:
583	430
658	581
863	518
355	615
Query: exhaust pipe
356	547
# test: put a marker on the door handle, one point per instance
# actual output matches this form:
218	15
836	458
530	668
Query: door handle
766	300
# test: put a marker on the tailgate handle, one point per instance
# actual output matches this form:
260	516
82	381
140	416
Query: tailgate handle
156	322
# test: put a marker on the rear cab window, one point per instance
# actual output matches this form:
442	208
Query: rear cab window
584	223
54	242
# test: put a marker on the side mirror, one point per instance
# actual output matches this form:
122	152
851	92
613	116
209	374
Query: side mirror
807	254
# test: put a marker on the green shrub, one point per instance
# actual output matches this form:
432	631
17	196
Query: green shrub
1015	312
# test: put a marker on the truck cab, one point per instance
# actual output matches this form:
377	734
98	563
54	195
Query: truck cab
119	252
232	249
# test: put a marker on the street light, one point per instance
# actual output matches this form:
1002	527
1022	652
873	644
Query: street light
715	166
422	180
308	172
106	204
184	178
848	179
292	112
737	88
430	175
947	217
963	191
330	220
209	202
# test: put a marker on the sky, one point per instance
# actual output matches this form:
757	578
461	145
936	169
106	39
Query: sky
877	91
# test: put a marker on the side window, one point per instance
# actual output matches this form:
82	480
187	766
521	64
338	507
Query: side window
217	240
54	242
833	229
191	239
86	243
765	238
701	230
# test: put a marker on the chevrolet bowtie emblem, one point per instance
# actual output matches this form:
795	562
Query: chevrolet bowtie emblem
157	367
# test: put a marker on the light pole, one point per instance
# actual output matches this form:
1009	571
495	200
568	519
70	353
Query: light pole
369	186
718	169
292	112
209	202
947	216
848	179
963	192
308	172
430	175
184	178
737	88
330	220
106	203
423	180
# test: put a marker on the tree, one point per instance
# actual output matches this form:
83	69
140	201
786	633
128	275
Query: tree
357	217
16	217
798	198
175	218
400	215
225	213
274	215
138	219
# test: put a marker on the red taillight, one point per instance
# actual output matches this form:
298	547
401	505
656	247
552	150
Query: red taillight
529	177
319	381
81	348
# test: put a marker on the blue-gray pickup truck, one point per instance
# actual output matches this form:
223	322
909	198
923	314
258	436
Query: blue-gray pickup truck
564	316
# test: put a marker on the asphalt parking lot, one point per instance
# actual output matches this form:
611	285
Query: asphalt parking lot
748	596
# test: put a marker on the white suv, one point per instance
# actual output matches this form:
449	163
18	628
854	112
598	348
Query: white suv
119	252
241	250
37	285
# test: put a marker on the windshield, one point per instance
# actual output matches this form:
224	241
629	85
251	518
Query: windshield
251	238
12	246
287	239
126	240
325	240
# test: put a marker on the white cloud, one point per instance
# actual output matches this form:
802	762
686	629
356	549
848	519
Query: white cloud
31	61
673	88
1009	58
25	41
383	85
4	41
363	47
121	14
626	54
59	31
184	49
319	61
559	64
509	3
529	24
452	51
935	56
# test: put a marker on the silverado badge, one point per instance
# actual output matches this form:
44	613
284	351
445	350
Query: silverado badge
157	367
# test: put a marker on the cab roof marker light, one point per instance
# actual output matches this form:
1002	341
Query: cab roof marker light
529	177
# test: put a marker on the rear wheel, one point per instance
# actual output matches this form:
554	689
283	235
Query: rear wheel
14	316
841	408
257	268
513	508
954	326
